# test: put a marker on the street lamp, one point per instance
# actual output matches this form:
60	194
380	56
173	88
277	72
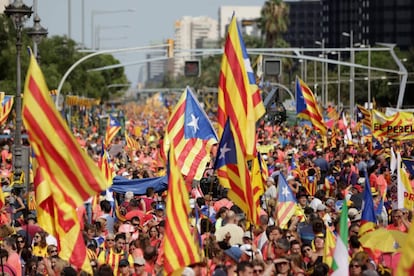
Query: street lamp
323	80
18	12
37	33
97	12
351	73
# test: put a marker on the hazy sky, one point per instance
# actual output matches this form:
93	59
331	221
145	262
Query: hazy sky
150	21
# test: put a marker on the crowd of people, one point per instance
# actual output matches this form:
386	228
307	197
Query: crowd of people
124	233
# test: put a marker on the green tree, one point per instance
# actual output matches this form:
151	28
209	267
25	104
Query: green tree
274	21
57	54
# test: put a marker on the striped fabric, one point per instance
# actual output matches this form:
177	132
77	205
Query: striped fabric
368	218
6	107
192	135
286	202
363	116
233	173
107	168
329	247
65	177
2	201
258	189
112	129
307	107
180	248
238	95
131	143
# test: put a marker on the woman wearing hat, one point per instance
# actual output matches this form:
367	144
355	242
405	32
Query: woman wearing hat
282	266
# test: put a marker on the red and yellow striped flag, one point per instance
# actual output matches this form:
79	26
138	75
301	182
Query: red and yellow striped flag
307	107
329	247
6	107
180	248
131	143
112	128
238	95
257	184
2	200
66	176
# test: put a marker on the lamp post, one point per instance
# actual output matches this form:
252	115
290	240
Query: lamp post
351	73
37	32
18	12
97	12
322	44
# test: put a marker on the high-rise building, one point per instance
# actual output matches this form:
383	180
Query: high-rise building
193	33
3	3
155	69
370	21
305	25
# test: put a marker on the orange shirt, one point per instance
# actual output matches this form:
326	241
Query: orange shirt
401	228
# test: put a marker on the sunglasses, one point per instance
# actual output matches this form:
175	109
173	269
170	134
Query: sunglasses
110	240
53	251
21	241
306	250
135	224
258	271
354	266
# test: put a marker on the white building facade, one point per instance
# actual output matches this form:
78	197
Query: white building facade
242	13
192	33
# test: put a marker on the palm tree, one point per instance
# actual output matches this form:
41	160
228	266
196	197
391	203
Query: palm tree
274	21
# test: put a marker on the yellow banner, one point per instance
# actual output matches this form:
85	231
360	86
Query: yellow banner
399	126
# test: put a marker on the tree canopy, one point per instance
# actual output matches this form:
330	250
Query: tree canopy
57	54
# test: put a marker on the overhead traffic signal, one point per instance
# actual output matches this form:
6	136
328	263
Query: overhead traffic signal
272	67
192	68
170	50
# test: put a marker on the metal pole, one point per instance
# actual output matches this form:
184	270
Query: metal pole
326	83
323	73
369	78
97	37
69	20
92	31
83	24
18	105
315	78
339	80
34	42
306	70
352	77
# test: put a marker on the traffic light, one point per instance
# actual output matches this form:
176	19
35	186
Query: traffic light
192	68
272	67
170	50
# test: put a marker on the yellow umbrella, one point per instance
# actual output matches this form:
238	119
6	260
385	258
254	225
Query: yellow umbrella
383	240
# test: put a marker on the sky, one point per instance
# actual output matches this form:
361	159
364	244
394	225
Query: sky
130	23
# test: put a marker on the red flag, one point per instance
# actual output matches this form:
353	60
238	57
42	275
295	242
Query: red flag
66	176
238	95
180	248
191	134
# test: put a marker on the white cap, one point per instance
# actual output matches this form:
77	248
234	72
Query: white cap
290	177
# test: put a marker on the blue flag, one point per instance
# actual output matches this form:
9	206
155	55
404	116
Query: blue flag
409	164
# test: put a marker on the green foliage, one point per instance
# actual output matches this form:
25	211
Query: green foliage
57	54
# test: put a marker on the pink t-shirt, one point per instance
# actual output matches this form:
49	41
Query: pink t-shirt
14	261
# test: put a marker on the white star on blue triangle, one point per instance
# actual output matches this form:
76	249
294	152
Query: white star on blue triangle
196	122
227	150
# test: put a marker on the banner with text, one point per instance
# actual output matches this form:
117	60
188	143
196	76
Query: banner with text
399	126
